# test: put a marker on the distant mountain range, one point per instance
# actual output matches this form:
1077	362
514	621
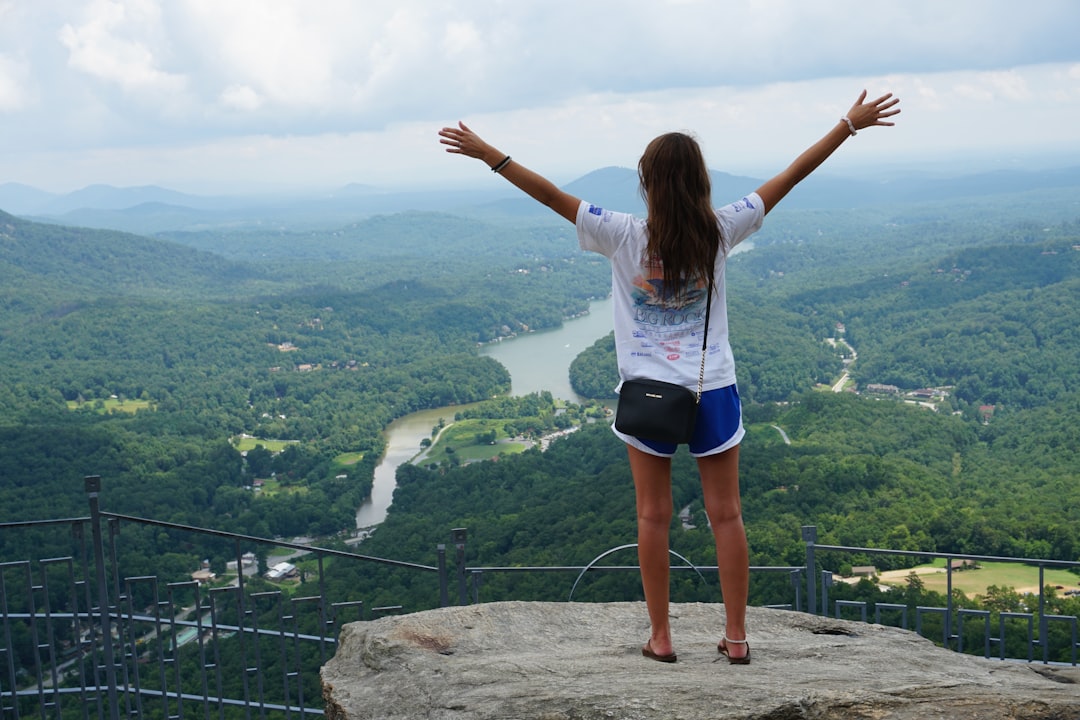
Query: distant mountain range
45	266
151	209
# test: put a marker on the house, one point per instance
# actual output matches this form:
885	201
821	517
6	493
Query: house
864	570
203	576
281	571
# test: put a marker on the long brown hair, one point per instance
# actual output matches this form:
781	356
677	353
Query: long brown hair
683	231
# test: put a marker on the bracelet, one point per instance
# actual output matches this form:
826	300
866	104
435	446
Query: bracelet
850	125
502	164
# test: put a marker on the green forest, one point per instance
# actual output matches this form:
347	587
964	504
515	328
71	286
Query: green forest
145	359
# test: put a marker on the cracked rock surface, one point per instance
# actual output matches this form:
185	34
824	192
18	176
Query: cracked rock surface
580	661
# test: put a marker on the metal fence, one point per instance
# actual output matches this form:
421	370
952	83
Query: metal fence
1040	635
81	638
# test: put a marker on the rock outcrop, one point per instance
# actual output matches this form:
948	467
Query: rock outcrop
580	661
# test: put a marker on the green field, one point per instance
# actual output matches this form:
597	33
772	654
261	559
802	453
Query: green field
1022	578
244	443
473	453
349	458
469	441
111	405
272	487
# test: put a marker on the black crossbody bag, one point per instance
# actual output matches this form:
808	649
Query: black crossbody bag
658	410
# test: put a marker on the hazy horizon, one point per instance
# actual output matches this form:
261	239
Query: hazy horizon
210	98
941	168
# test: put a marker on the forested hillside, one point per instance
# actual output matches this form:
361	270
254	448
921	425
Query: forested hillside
45	268
987	463
873	474
144	360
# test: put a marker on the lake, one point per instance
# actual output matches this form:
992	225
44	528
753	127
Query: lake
541	360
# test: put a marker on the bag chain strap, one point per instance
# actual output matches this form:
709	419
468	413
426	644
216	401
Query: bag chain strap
704	342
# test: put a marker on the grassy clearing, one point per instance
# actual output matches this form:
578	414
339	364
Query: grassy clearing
471	441
112	405
278	552
349	458
473	453
243	443
272	487
1022	578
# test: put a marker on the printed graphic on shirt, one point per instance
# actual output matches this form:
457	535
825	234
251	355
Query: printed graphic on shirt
600	212
743	204
665	320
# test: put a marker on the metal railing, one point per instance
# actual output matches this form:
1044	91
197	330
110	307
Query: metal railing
1057	634
470	579
80	638
811	583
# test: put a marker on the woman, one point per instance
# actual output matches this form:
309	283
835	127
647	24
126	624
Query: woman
662	270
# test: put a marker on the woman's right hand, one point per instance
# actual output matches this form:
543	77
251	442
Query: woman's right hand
461	140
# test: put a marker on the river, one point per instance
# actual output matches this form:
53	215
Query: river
536	361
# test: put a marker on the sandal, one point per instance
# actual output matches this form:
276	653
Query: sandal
722	648
647	651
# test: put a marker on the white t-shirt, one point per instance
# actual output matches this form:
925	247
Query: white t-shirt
654	340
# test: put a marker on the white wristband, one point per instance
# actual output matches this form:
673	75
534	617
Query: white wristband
851	125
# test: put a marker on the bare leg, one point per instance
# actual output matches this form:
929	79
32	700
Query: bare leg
720	487
652	485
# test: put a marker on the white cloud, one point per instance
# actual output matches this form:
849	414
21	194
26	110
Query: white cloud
315	61
582	85
241	97
13	92
1010	85
15	88
459	37
974	91
111	44
275	49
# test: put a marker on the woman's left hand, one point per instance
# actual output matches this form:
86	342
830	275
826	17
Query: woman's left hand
864	114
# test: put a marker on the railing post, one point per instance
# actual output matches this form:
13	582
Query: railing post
809	536
92	484
826	583
948	603
477	576
444	581
1043	626
458	535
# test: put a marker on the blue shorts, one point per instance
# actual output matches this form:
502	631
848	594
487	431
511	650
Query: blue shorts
718	428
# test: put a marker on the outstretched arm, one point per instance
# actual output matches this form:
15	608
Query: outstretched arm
861	115
463	141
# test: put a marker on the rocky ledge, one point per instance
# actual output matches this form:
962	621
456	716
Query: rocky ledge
580	661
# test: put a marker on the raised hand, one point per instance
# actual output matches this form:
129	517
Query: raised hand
865	114
461	140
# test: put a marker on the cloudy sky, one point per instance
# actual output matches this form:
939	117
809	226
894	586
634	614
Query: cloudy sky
246	95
